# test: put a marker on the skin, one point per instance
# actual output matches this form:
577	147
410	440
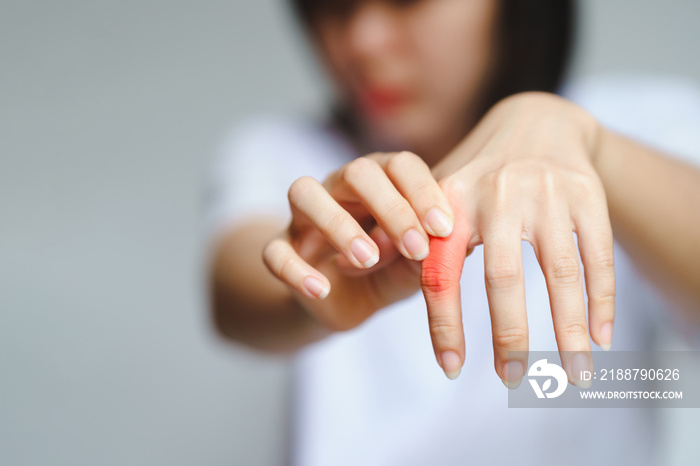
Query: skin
512	184
412	50
535	168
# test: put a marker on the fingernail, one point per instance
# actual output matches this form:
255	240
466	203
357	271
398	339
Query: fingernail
513	374
364	253
316	287
451	364
439	222
415	244
580	363
606	332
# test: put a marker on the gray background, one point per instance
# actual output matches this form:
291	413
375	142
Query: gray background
109	113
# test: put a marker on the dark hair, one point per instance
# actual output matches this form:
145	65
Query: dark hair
534	41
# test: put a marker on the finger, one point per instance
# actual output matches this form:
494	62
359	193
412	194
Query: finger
387	255
505	289
595	242
413	179
370	184
308	198
559	261
285	264
440	276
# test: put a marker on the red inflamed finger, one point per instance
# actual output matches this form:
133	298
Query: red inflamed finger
440	275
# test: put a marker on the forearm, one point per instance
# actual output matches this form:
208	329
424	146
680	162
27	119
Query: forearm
249	304
654	204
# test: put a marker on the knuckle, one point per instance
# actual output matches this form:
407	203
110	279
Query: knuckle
513	337
583	186
548	181
500	178
300	187
267	255
565	270
603	299
588	185
452	187
359	168
575	329
396	208
274	257
604	259
510	180
502	275
423	192
402	161
333	223
411	157
436	278
272	250
286	269
442	327
376	155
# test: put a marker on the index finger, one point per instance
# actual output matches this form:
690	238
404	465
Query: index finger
440	275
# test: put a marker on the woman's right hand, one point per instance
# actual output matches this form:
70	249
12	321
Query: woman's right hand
355	242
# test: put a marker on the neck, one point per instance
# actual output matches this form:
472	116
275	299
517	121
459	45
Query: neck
432	152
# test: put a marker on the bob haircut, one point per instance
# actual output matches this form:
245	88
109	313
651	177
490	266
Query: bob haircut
534	40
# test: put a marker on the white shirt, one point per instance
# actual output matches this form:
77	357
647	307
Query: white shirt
375	395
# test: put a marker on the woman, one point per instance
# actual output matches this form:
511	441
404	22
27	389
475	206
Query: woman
437	148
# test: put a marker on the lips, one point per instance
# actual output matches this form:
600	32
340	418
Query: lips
381	101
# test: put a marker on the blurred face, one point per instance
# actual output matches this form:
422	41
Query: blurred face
410	69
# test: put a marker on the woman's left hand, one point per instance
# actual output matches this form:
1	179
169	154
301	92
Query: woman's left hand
526	172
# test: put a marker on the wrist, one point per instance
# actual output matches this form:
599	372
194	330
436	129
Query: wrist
600	153
596	140
556	113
